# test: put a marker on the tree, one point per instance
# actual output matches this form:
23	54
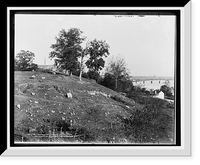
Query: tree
166	90
33	66
24	60
67	49
96	51
108	81
83	54
124	84
117	67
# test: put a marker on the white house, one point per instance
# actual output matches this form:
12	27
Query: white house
161	95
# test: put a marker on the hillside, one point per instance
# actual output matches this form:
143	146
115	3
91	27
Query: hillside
44	112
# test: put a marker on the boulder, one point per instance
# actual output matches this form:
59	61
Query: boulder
91	92
18	106
31	130
69	95
32	77
104	94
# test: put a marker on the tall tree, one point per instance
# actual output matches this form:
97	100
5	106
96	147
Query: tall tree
83	54
67	49
24	59
97	49
117	67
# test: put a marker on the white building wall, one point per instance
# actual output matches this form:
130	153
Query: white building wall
161	95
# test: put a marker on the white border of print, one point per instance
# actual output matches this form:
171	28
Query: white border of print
126	151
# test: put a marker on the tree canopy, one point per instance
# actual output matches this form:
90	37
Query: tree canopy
97	49
117	68
24	60
67	49
166	90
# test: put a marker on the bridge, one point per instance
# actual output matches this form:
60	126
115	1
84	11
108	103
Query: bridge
149	79
152	81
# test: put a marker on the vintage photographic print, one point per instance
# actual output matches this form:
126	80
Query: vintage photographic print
95	78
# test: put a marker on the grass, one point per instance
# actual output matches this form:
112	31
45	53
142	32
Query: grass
86	118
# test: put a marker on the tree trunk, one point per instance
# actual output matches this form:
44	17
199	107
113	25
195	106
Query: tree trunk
69	72
116	82
81	67
80	76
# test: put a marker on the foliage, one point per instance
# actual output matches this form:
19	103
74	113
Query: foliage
33	66
117	67
124	84
166	90
108	81
96	51
67	49
24	60
151	124
85	75
93	75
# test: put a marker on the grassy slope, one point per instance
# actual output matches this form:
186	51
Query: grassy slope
90	118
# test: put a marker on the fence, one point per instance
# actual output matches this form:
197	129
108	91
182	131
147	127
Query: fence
49	137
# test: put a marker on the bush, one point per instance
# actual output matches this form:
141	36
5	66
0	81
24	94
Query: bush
30	67
124	84
24	60
76	72
150	124
93	75
166	90
85	75
108	81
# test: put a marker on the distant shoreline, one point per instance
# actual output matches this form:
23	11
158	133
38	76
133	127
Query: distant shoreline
140	78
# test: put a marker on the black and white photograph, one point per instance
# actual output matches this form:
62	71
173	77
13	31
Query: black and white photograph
94	78
104	78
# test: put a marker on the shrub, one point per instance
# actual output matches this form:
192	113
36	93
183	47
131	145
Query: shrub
93	75
108	81
151	124
85	75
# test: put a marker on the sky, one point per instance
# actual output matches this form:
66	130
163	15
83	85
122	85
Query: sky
146	43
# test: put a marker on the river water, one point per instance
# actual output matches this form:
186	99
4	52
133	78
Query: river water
154	84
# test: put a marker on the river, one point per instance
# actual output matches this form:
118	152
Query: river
153	84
